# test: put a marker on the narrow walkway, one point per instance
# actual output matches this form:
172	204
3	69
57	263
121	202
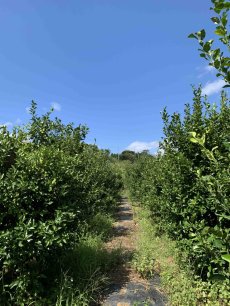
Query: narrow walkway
127	287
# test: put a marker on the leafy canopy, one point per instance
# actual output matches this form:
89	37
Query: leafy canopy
217	58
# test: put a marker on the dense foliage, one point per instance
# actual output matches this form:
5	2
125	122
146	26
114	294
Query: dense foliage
51	183
217	57
128	155
187	185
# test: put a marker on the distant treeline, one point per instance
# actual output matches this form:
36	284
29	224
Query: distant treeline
129	155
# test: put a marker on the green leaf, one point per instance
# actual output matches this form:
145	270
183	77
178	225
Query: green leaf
220	31
201	34
226	257
222	216
203	55
217	64
192	36
216	53
194	140
224	19
219	6
216	20
207	46
193	134
217	243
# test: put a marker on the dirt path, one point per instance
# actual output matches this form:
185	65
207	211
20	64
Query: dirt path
127	287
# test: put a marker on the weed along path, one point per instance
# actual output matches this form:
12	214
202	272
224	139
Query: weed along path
127	288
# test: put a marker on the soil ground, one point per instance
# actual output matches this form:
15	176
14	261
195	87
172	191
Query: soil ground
127	288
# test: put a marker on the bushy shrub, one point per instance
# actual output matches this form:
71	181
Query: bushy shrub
51	183
187	187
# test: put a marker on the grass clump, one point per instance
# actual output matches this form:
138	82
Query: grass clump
143	259
85	268
159	255
101	225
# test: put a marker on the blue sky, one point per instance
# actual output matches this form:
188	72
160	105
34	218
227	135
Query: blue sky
111	64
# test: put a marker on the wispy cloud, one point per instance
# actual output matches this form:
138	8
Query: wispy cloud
18	121
213	87
28	109
56	106
8	124
209	68
139	146
205	70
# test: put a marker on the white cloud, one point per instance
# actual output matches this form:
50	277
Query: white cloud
56	106
205	70
209	68
28	109
139	146
213	87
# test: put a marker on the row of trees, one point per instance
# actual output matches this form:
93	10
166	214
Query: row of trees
187	187
129	155
51	184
